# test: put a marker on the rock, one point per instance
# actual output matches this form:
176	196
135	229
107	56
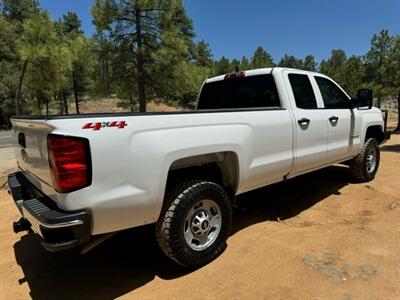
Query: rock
393	205
309	261
330	271
367	269
347	296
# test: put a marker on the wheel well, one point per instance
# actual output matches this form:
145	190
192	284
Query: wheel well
221	168
375	132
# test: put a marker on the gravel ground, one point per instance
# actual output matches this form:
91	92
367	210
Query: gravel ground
319	236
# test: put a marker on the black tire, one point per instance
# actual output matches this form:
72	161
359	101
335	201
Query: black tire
359	165
170	227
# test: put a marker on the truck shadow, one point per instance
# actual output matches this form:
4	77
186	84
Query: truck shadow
131	259
285	200
391	148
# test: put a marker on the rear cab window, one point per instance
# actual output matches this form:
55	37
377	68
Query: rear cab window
251	92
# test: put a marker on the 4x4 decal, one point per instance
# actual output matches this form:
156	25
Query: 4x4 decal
99	125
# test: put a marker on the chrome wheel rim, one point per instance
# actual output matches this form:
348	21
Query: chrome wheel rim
202	224
371	160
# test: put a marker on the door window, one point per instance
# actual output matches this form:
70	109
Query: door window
303	91
333	96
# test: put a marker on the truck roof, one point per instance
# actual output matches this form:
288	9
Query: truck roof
253	72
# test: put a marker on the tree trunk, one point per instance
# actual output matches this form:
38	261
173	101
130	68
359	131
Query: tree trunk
75	86
19	87
140	62
39	105
60	105
65	102
131	102
398	113
47	106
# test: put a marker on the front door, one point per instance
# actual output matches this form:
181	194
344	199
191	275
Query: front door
310	122
339	119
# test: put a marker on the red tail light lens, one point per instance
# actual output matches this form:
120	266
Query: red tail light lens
70	165
234	75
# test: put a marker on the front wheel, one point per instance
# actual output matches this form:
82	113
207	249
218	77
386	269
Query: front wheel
365	165
193	227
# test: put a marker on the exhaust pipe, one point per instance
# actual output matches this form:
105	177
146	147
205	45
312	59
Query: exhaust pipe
21	225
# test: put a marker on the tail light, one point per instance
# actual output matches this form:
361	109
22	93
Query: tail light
69	159
234	75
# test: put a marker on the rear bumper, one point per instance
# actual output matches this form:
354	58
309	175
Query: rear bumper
60	230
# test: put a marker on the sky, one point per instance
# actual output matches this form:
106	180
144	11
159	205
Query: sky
234	28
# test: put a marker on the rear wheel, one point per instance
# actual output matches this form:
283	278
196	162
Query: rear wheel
195	223
365	165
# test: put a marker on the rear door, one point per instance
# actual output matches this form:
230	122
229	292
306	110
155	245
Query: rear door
339	118
310	122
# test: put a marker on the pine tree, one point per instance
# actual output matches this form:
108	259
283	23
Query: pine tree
17	12
69	31
223	66
310	63
245	63
235	64
335	66
377	63
261	59
203	55
354	72
8	77
48	59
289	61
151	39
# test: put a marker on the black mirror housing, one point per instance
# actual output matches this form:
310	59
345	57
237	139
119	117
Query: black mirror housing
364	98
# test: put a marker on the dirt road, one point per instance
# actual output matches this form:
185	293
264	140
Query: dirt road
319	236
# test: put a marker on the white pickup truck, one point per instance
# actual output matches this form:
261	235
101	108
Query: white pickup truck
83	177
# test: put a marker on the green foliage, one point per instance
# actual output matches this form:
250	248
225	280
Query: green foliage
19	10
261	59
203	56
378	63
223	66
48	56
354	72
245	63
71	24
8	58
309	63
149	39
289	61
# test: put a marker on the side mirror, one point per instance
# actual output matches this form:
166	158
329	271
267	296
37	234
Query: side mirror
364	99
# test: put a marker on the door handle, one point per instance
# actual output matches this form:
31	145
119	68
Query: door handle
303	121
333	119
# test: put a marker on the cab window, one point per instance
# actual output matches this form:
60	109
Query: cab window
303	91
240	93
333	96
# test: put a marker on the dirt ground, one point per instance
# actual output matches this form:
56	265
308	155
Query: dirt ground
318	236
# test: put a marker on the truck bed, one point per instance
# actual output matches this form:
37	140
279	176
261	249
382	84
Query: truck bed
134	114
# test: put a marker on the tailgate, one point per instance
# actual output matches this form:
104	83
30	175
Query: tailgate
30	137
